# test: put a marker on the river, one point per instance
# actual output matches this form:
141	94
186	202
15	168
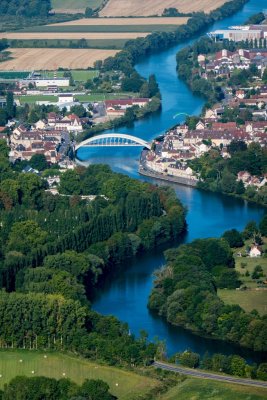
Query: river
209	214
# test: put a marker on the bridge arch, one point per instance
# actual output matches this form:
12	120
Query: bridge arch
113	139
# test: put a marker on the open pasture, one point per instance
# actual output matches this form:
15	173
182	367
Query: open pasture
203	389
255	297
247	299
126	8
35	59
55	365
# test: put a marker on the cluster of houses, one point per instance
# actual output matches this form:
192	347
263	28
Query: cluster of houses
25	143
225	62
70	123
256	103
47	136
182	144
118	107
249	179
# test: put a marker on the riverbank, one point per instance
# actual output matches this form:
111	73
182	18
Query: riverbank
209	214
167	178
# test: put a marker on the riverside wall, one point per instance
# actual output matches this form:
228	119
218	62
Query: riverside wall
175	179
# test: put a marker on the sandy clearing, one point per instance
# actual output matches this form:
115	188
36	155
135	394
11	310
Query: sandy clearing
52	59
124	21
74	35
120	8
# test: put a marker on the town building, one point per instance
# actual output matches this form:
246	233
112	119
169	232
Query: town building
25	143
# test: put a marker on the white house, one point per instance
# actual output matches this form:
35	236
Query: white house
41	124
255	251
65	98
200	125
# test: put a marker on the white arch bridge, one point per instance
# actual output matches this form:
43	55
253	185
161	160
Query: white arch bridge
113	140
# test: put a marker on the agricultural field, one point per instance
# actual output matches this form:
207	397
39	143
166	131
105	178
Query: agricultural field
127	8
74	6
196	389
35	59
102	28
255	297
94	44
123	384
71	35
97	33
124	21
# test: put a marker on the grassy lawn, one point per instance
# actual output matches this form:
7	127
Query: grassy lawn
83	76
104	96
193	389
255	297
123	384
247	299
78	75
32	99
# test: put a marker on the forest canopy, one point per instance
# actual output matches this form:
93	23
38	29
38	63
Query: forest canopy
25	8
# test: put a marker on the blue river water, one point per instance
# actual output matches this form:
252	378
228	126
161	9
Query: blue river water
209	214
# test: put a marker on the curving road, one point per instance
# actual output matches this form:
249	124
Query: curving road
207	375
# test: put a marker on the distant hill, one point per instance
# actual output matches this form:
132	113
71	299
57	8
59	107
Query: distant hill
74	6
125	8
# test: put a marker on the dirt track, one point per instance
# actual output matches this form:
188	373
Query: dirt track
77	36
120	8
52	59
125	21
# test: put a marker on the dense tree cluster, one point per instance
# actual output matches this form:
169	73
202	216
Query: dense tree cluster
232	365
220	175
185	293
40	388
173	12
25	8
256	19
3	44
53	249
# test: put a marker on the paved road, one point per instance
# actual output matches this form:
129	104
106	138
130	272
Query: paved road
206	375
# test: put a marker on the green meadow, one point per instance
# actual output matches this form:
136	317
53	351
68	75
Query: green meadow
78	75
112	44
201	389
76	4
123	384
